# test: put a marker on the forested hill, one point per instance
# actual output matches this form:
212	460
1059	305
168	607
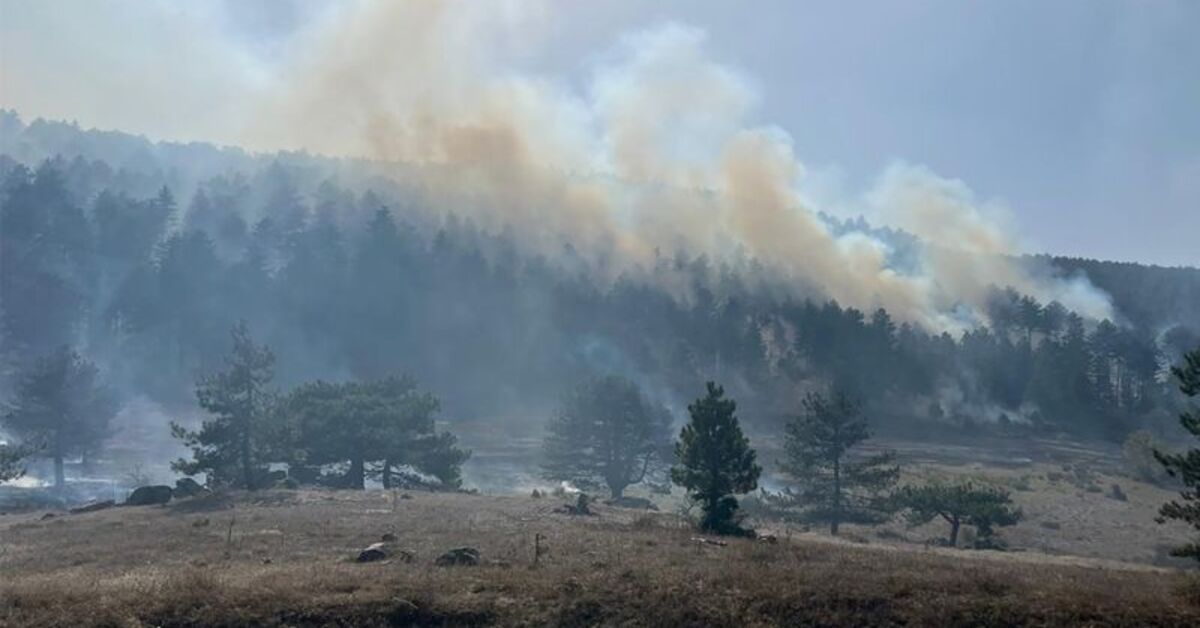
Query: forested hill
142	256
1146	295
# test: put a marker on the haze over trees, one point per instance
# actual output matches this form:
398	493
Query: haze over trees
145	255
606	433
834	483
715	461
61	403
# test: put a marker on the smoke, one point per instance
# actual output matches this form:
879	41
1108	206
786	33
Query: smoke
656	151
653	148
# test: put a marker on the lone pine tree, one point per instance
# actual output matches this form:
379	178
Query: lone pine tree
62	404
832	485
387	421
228	446
715	461
983	507
606	433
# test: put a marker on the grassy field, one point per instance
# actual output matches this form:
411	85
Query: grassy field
286	558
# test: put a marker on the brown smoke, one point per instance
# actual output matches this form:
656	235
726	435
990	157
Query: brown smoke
655	155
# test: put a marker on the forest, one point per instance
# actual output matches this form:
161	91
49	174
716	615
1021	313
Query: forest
124	253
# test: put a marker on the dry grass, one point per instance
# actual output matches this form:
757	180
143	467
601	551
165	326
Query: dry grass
167	567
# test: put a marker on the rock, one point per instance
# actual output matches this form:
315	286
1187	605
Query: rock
187	487
149	495
536	494
372	553
93	507
48	515
200	523
459	557
388	537
640	503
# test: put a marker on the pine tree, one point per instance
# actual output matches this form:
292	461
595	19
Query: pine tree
983	507
715	461
1185	466
228	446
61	402
386	421
607	433
833	486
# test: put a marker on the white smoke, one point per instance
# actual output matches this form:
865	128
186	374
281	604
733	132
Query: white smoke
656	150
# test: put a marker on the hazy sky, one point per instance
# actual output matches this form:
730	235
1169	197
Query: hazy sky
1082	116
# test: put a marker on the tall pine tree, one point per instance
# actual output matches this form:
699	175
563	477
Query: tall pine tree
834	485
1186	466
229	445
715	461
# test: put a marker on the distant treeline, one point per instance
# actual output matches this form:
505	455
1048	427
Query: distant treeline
344	283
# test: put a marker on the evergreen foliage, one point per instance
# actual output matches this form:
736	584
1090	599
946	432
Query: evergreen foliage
715	461
61	402
11	457
983	507
834	485
387	421
1185	466
232	445
606	433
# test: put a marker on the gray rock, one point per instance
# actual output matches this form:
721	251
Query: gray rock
187	487
372	553
149	495
459	557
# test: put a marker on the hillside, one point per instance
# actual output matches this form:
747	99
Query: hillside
286	558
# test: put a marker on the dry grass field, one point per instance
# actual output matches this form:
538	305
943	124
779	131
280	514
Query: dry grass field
285	558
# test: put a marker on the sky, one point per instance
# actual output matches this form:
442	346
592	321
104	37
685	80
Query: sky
1081	117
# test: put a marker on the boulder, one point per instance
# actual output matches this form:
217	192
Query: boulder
149	495
93	507
372	553
459	557
187	487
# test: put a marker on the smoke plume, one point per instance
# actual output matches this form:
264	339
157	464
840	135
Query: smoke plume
655	153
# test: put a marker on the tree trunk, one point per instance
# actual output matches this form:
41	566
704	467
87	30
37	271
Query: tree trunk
837	497
244	454
954	524
356	475
60	478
